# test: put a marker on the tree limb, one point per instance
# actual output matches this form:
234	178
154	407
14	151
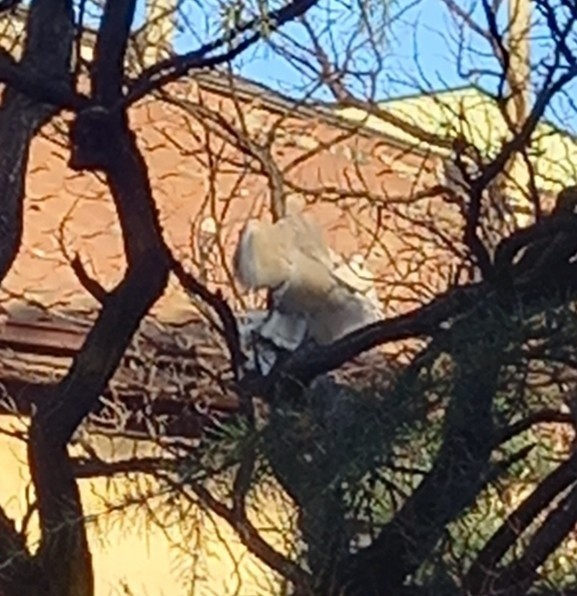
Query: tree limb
482	573
6	5
112	41
64	547
557	282
519	576
253	541
88	283
90	468
20	574
457	472
216	301
38	86
304	365
541	417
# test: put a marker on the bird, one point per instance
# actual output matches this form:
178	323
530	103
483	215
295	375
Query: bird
311	294
356	274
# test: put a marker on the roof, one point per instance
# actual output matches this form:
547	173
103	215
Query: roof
475	114
160	380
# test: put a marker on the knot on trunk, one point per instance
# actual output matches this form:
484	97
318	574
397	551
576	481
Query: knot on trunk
92	138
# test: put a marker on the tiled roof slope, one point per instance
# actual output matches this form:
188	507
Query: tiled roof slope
474	114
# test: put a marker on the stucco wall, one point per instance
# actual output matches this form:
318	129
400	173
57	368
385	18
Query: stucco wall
132	554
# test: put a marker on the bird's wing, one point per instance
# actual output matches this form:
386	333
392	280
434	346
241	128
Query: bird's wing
242	260
284	330
357	278
305	236
261	257
346	311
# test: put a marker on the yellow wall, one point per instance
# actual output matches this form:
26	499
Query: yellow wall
470	112
134	555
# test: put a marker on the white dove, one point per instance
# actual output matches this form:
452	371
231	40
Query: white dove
311	294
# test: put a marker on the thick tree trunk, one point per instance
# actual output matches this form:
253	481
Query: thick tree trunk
64	554
47	50
452	484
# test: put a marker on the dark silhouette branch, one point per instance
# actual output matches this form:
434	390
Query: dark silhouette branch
90	468
20	574
519	141
88	283
303	366
544	230
38	86
519	576
253	541
47	50
216	301
243	479
456	475
555	279
105	143
111	43
542	417
484	571
6	5
78	393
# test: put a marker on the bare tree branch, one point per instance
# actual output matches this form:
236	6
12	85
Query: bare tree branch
90	285
174	68
519	576
19	572
458	470
37	85
251	538
105	143
112	41
483	573
216	301
91	468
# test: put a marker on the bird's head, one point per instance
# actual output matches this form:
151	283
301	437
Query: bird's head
294	204
253	243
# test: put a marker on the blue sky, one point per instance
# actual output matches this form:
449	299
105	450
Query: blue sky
418	33
422	25
419	52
